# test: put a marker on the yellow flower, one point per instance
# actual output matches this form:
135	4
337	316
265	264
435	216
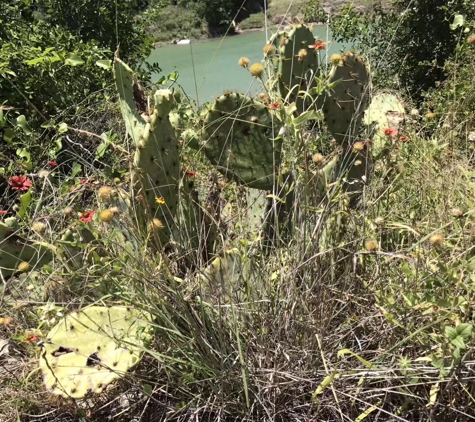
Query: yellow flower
155	224
244	62
256	70
106	215
24	267
268	49
160	200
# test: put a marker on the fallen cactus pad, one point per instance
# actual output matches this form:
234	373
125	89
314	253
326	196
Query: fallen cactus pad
89	349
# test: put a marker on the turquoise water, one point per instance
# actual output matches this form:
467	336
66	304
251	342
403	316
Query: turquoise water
207	68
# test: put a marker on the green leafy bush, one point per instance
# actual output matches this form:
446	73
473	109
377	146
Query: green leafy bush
407	43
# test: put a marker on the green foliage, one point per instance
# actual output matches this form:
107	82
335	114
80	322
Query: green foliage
408	43
453	101
163	24
109	23
257	20
44	68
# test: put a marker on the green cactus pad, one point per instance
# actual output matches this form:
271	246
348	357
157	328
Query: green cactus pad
257	204
89	349
346	100
156	162
385	111
240	140
71	248
294	65
14	250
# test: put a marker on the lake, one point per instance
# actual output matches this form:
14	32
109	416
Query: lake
207	68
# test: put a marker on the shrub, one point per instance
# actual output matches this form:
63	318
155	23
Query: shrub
254	21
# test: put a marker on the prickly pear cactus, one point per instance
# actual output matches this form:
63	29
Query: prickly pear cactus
346	100
384	112
15	250
292	64
257	203
239	135
155	173
69	247
232	277
89	349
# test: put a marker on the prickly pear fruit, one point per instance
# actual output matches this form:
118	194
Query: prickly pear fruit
89	349
241	140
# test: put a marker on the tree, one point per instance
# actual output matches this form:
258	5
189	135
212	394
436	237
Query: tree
109	22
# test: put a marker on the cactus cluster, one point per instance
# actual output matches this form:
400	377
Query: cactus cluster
89	349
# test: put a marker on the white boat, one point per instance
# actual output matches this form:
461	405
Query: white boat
183	42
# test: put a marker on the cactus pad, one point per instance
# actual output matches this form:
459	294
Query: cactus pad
89	349
15	250
293	65
346	100
385	111
239	133
156	169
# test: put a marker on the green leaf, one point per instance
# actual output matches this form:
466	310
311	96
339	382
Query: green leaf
304	117
25	201
35	61
47	125
59	144
458	21
74	60
63	127
105	64
363	361
8	135
23	124
147	389
366	413
450	333
76	169
23	153
325	383
464	330
458	342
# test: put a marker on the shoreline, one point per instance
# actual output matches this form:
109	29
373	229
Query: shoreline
237	32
